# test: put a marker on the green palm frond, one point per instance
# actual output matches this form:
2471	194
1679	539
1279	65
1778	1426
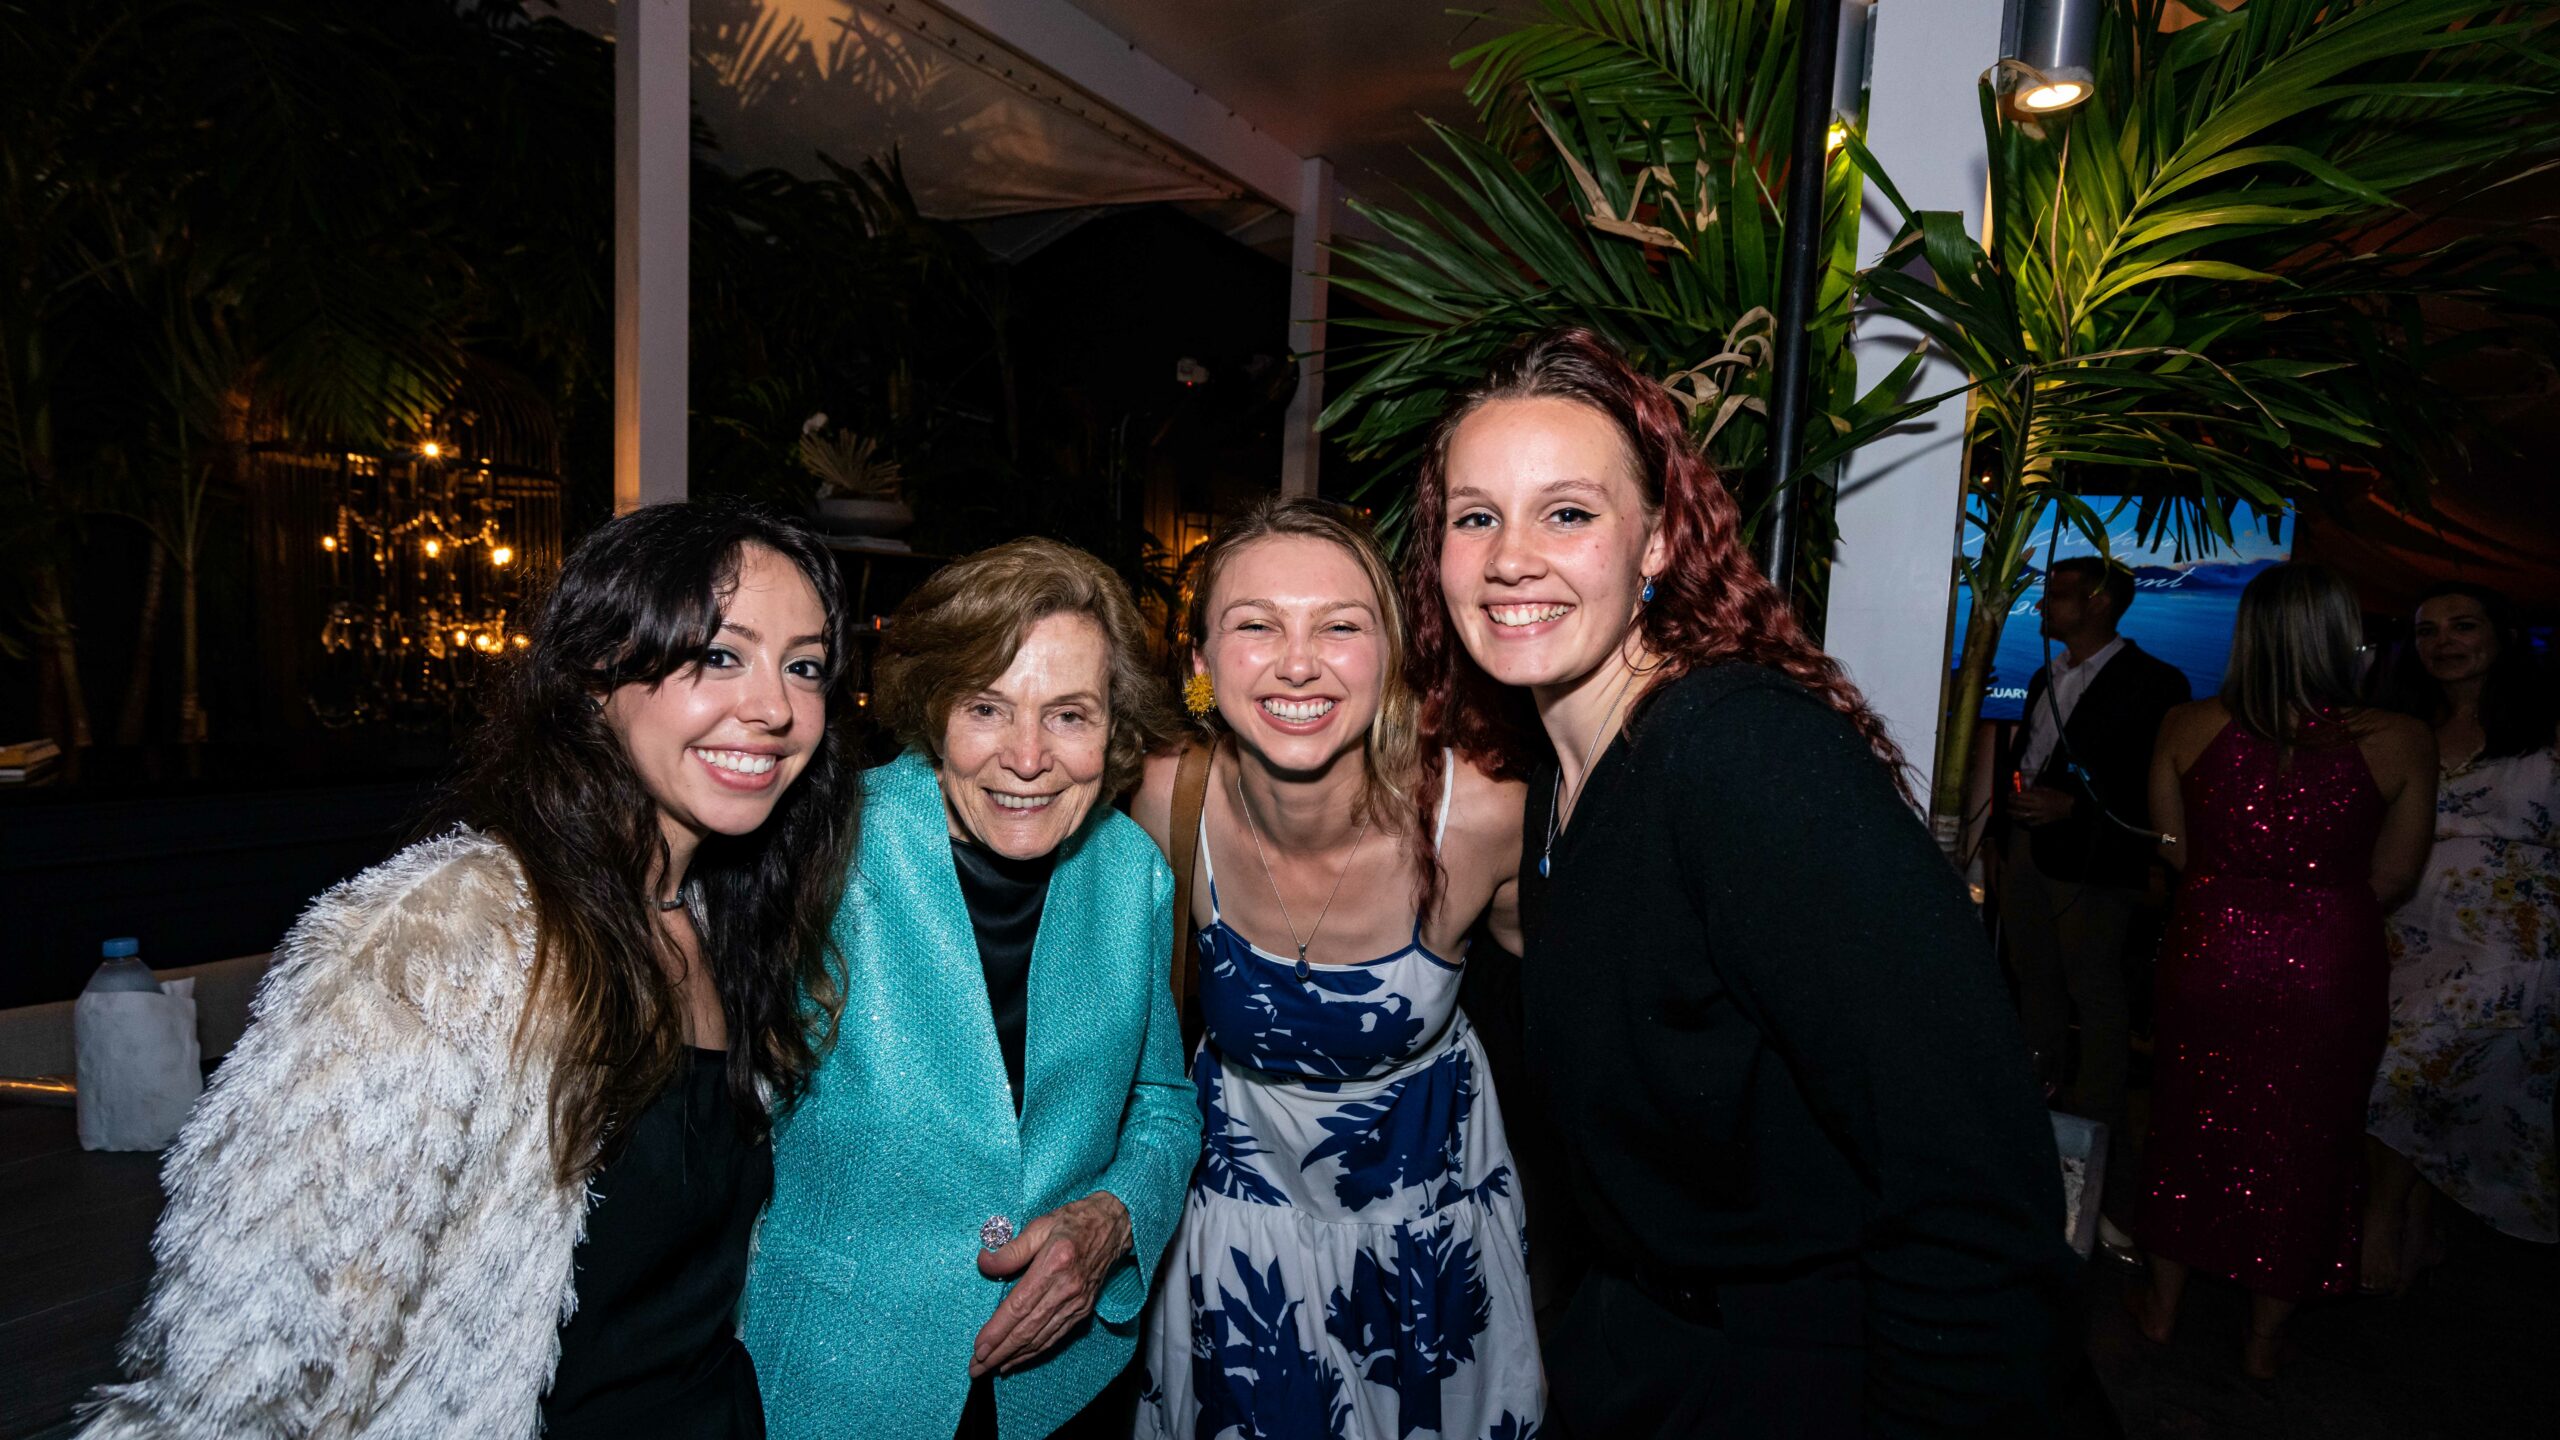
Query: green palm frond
1627	179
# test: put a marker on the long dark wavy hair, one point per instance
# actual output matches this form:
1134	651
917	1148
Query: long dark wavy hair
640	601
2517	705
1711	604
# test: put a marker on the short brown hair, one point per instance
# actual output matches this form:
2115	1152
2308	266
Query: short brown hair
958	632
2105	577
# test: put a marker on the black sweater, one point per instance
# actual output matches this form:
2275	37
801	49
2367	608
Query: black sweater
1773	1038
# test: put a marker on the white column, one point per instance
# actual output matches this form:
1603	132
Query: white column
652	196
1892	581
1309	264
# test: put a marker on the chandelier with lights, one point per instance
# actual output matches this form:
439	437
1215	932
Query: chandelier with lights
423	570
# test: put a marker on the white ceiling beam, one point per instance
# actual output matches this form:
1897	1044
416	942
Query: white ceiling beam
1088	55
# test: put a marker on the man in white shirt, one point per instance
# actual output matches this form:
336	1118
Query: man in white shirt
2078	855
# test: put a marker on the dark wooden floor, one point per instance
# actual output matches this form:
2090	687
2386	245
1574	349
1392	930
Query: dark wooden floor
2472	1353
75	1236
2469	1356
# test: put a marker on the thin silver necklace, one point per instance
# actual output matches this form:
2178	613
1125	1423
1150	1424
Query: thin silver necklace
1555	796
1304	973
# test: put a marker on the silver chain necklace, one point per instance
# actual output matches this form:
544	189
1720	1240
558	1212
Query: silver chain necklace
1304	973
1555	796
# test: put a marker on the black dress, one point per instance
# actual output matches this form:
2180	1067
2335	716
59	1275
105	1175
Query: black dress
653	1347
1795	1108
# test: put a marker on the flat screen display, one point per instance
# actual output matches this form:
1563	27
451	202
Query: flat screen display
2182	610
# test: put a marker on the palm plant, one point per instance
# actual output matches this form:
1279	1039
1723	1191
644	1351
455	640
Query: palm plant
1628	179
2209	279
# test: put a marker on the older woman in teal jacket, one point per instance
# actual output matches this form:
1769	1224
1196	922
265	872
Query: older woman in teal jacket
970	1200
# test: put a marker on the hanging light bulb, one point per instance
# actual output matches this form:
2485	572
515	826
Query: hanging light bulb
518	641
434	548
329	543
431	449
502	555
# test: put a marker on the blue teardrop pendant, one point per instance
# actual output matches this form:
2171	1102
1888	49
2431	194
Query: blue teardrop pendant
1542	867
1304	973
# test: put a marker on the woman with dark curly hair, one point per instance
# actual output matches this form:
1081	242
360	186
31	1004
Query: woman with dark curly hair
969	1206
489	1159
2462	1102
1797	1115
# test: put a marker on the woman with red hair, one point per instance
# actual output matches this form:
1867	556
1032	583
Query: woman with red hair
1796	1109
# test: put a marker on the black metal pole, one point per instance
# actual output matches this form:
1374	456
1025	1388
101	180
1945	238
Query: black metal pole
1782	522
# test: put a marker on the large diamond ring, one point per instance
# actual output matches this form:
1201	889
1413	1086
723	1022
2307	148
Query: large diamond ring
997	1233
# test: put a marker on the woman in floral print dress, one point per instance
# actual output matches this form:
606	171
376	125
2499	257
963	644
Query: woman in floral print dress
1350	1265
2463	1101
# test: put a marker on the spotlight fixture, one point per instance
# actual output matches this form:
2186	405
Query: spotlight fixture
2045	52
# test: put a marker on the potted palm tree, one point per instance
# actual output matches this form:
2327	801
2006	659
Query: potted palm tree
860	491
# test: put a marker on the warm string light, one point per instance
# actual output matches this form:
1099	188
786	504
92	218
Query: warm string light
426	614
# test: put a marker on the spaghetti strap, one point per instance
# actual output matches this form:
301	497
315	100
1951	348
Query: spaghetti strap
1448	791
1209	865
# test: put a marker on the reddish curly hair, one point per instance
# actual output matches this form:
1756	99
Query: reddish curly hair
1711	604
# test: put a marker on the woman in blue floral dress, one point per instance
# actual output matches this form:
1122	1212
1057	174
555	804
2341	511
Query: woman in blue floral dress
2462	1102
1351	1260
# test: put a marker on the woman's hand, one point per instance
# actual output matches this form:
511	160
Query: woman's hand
1062	1259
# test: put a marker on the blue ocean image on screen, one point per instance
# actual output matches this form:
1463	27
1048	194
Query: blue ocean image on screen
2181	611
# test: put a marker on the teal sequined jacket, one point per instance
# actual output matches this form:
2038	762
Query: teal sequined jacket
865	1298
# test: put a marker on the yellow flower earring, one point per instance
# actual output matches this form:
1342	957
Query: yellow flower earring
1198	695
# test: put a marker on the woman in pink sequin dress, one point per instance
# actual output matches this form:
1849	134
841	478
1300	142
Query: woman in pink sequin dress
2298	818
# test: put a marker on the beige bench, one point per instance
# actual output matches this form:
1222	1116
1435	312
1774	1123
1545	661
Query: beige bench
36	1039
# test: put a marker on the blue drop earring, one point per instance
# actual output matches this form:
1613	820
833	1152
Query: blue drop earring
1647	596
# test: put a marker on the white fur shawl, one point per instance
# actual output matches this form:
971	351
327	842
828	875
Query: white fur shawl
364	1237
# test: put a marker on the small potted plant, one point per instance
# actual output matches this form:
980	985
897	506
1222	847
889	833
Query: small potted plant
860	491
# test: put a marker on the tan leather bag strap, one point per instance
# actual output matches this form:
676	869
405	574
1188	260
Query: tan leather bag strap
1190	793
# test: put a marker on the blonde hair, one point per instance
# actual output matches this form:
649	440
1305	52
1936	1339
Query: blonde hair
1391	752
957	634
2292	674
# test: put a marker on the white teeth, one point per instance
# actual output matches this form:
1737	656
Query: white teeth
1297	709
1019	802
739	761
1526	614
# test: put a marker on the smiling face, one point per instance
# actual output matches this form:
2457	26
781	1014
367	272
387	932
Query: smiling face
1022	760
1547	543
2455	640
715	746
1296	648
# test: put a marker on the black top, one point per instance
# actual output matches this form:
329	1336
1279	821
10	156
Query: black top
1774	1041
1004	898
2109	736
653	1347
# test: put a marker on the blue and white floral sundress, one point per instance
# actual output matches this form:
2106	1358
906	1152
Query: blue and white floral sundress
1351	1263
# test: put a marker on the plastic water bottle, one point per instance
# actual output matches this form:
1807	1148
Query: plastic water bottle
134	1046
121	969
